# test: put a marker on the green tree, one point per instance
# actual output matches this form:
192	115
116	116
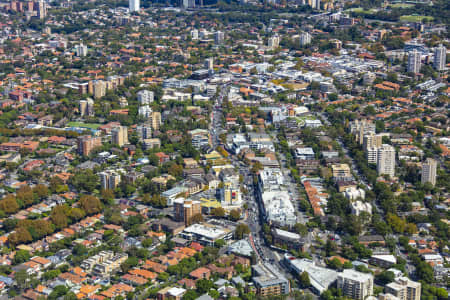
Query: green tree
218	212
235	215
241	231
21	257
203	286
304	280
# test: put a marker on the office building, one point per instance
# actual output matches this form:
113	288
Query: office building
87	107
109	180
219	37
372	140
87	143
386	160
414	61
354	284
404	289
134	5
209	63
186	209
440	56
81	50
119	135
145	97
273	42
429	171
269	281
305	39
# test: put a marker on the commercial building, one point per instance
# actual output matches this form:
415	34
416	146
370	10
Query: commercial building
440	56
109	180
429	171
320	278
119	135
414	61
186	209
386	160
134	5
290	239
354	284
404	289
268	281
278	208
207	234
87	143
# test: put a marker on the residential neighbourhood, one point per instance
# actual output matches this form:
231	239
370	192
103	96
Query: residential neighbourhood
224	150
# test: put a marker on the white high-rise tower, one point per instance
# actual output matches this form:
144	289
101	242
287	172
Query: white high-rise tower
134	5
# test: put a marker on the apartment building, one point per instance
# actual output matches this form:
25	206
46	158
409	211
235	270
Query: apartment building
354	284
186	209
110	266
109	179
268	281
145	97
88	264
360	128
341	171
386	160
87	143
119	135
429	171
372	140
155	120
404	289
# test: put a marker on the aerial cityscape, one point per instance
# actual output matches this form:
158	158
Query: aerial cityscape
225	149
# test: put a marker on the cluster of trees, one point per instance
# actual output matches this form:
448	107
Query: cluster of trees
30	230
63	215
25	196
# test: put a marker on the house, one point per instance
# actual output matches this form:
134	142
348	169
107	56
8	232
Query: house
200	273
